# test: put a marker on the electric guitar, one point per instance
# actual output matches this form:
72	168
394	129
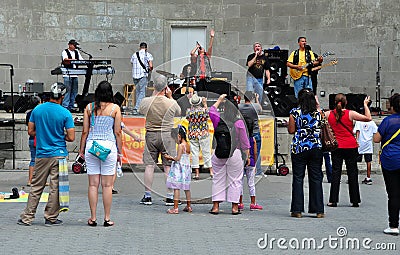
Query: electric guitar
296	74
332	63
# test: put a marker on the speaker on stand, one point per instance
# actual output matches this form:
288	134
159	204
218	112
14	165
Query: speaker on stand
280	94
278	69
282	100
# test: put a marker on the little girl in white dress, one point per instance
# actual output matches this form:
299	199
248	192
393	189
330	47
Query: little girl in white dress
180	172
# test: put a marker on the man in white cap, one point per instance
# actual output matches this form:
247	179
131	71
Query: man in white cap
53	126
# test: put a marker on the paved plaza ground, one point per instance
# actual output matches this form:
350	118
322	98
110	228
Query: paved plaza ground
141	229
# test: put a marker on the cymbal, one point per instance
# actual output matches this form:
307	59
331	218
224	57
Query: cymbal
166	74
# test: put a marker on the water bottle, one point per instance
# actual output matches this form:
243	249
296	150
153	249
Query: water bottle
119	170
19	89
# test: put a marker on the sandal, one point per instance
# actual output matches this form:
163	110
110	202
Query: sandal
92	223
188	209
173	211
236	213
213	212
196	178
108	223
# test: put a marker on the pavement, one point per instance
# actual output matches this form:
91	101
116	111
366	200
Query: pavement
141	229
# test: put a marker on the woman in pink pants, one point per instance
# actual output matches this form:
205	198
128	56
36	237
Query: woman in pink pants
228	162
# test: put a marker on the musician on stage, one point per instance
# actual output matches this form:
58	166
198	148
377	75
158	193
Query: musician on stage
258	66
189	71
203	65
314	72
142	65
70	81
298	60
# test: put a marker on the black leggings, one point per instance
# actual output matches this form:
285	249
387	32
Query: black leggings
392	182
350	158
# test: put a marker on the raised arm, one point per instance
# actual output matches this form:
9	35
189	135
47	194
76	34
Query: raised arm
357	116
212	34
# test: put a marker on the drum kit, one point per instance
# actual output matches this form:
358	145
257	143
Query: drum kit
174	83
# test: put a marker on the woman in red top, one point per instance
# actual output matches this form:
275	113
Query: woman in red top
341	121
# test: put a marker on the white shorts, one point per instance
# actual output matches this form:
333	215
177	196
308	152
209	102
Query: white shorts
95	166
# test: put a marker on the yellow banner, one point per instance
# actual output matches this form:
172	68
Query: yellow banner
133	151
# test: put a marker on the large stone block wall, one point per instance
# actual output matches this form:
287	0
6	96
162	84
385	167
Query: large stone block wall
33	33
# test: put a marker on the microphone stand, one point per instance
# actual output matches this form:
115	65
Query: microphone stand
90	55
88	75
378	87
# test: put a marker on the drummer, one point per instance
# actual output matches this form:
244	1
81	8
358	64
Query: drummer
189	72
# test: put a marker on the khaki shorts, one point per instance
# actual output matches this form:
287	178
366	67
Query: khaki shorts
157	143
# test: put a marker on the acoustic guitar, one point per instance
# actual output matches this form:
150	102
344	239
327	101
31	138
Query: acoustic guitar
296	74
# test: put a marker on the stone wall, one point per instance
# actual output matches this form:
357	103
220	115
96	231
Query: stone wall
33	33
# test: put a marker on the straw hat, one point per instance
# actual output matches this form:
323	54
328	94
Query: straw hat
195	100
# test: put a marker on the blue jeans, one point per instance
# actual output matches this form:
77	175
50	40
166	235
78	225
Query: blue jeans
141	85
312	159
303	83
328	166
257	136
71	83
256	85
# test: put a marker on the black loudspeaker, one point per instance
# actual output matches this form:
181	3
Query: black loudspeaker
282	99
355	102
21	104
83	101
278	69
119	99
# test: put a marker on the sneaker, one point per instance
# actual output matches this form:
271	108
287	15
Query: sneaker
56	223
391	231
169	202
240	207
255	207
20	222
367	181
146	201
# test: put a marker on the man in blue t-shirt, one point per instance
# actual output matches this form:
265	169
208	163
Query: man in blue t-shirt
53	126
